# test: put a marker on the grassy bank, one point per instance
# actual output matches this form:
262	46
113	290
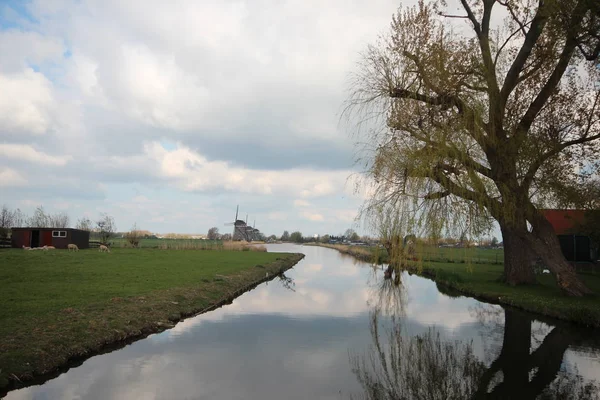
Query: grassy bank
474	277
190	244
472	255
58	306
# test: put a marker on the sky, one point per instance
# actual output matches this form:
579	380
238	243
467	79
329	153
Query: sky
170	114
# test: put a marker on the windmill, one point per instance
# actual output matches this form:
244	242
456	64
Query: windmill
239	227
234	221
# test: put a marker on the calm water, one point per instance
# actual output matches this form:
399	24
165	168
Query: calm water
313	337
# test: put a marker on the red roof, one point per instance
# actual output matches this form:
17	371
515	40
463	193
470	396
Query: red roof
564	221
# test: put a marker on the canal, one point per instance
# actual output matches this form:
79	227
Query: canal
334	328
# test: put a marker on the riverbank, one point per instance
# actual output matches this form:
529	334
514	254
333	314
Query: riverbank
59	308
480	280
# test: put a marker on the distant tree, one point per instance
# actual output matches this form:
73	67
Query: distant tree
39	219
226	237
84	224
296	237
106	227
58	220
324	239
6	221
349	233
213	233
354	237
494	242
134	236
19	218
273	238
285	237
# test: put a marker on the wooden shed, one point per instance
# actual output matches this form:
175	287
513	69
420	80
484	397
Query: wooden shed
575	245
57	237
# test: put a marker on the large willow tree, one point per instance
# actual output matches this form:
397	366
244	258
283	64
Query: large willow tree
492	111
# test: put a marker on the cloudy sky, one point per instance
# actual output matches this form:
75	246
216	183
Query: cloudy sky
169	114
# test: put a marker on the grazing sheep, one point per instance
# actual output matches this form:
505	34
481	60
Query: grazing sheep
26	247
46	248
103	248
73	247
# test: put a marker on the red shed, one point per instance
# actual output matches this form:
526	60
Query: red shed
565	222
575	245
57	237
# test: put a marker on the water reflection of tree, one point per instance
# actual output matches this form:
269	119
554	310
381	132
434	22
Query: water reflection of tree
388	295
429	367
286	281
416	367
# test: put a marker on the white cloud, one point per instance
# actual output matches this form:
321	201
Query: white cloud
191	171
11	178
26	102
312	216
28	153
301	203
21	49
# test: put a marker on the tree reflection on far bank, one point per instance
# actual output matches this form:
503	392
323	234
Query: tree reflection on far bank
429	366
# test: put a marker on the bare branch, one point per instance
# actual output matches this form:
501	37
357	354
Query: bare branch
511	79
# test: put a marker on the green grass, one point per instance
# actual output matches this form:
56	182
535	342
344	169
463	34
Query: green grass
481	280
59	305
200	244
472	255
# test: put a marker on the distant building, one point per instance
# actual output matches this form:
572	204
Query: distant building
575	245
57	237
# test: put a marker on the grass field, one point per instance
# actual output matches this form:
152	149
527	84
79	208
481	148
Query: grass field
58	305
472	255
476	272
481	281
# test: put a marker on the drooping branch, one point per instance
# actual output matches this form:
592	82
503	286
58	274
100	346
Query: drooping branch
446	101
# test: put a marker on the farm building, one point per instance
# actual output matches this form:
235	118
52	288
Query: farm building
575	245
57	237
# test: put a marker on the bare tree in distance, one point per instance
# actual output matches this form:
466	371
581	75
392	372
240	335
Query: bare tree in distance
39	219
226	237
134	236
6	221
59	220
106	227
486	124
84	224
213	233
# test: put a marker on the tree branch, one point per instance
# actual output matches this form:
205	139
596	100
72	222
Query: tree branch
546	92
437	195
535	30
536	165
471	17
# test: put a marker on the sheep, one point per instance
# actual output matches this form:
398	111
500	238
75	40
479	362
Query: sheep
26	247
73	247
103	248
46	248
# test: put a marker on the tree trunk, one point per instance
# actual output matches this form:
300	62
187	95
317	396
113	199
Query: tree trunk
517	258
545	243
